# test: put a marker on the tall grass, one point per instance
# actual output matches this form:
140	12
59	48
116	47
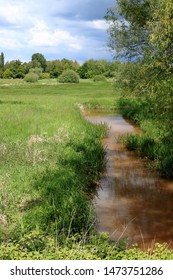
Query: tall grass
155	142
51	158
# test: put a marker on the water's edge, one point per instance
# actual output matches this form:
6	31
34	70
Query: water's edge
132	201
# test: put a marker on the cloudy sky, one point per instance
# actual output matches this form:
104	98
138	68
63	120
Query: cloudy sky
73	29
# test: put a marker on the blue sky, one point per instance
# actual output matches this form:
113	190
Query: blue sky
72	29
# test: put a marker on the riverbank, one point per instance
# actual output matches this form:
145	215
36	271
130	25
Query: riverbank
155	142
128	200
49	161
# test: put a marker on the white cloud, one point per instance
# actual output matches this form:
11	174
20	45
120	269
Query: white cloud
43	35
9	13
98	24
9	40
56	28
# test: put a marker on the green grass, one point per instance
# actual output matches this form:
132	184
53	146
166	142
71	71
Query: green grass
51	160
50	156
155	142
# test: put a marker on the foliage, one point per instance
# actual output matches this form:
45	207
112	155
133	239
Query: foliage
31	77
155	141
17	69
37	71
92	68
38	246
128	31
40	59
161	34
99	78
2	62
7	74
44	75
128	77
144	30
56	67
68	76
70	64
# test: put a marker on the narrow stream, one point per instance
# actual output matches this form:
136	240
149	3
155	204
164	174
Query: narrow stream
132	201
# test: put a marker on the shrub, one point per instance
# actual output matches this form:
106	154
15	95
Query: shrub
37	71
7	74
68	76
31	78
36	245
44	75
99	78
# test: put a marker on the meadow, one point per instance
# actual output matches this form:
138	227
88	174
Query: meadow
51	161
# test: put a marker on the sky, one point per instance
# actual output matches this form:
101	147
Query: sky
72	29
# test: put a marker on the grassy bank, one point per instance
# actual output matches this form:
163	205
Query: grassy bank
155	142
50	158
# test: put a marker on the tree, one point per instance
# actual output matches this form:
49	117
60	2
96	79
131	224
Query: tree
39	60
150	77
2	61
31	78
161	35
56	67
92	68
7	74
1	64
38	71
128	30
68	76
144	29
16	68
159	59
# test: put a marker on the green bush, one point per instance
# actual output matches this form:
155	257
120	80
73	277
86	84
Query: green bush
7	74
31	78
99	78
68	76
44	75
155	142
37	71
36	245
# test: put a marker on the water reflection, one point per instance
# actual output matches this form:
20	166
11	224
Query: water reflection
132	201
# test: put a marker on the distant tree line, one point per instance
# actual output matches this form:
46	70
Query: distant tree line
43	68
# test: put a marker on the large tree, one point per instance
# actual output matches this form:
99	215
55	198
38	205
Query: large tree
161	35
38	60
143	29
14	69
2	61
146	33
128	29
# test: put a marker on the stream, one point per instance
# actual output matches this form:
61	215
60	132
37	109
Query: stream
132	201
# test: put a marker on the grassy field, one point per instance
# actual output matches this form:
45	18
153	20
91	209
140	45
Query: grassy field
50	162
50	156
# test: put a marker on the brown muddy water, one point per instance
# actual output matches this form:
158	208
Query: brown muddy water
132	201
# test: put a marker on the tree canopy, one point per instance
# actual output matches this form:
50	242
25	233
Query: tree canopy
141	32
39	60
128	29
